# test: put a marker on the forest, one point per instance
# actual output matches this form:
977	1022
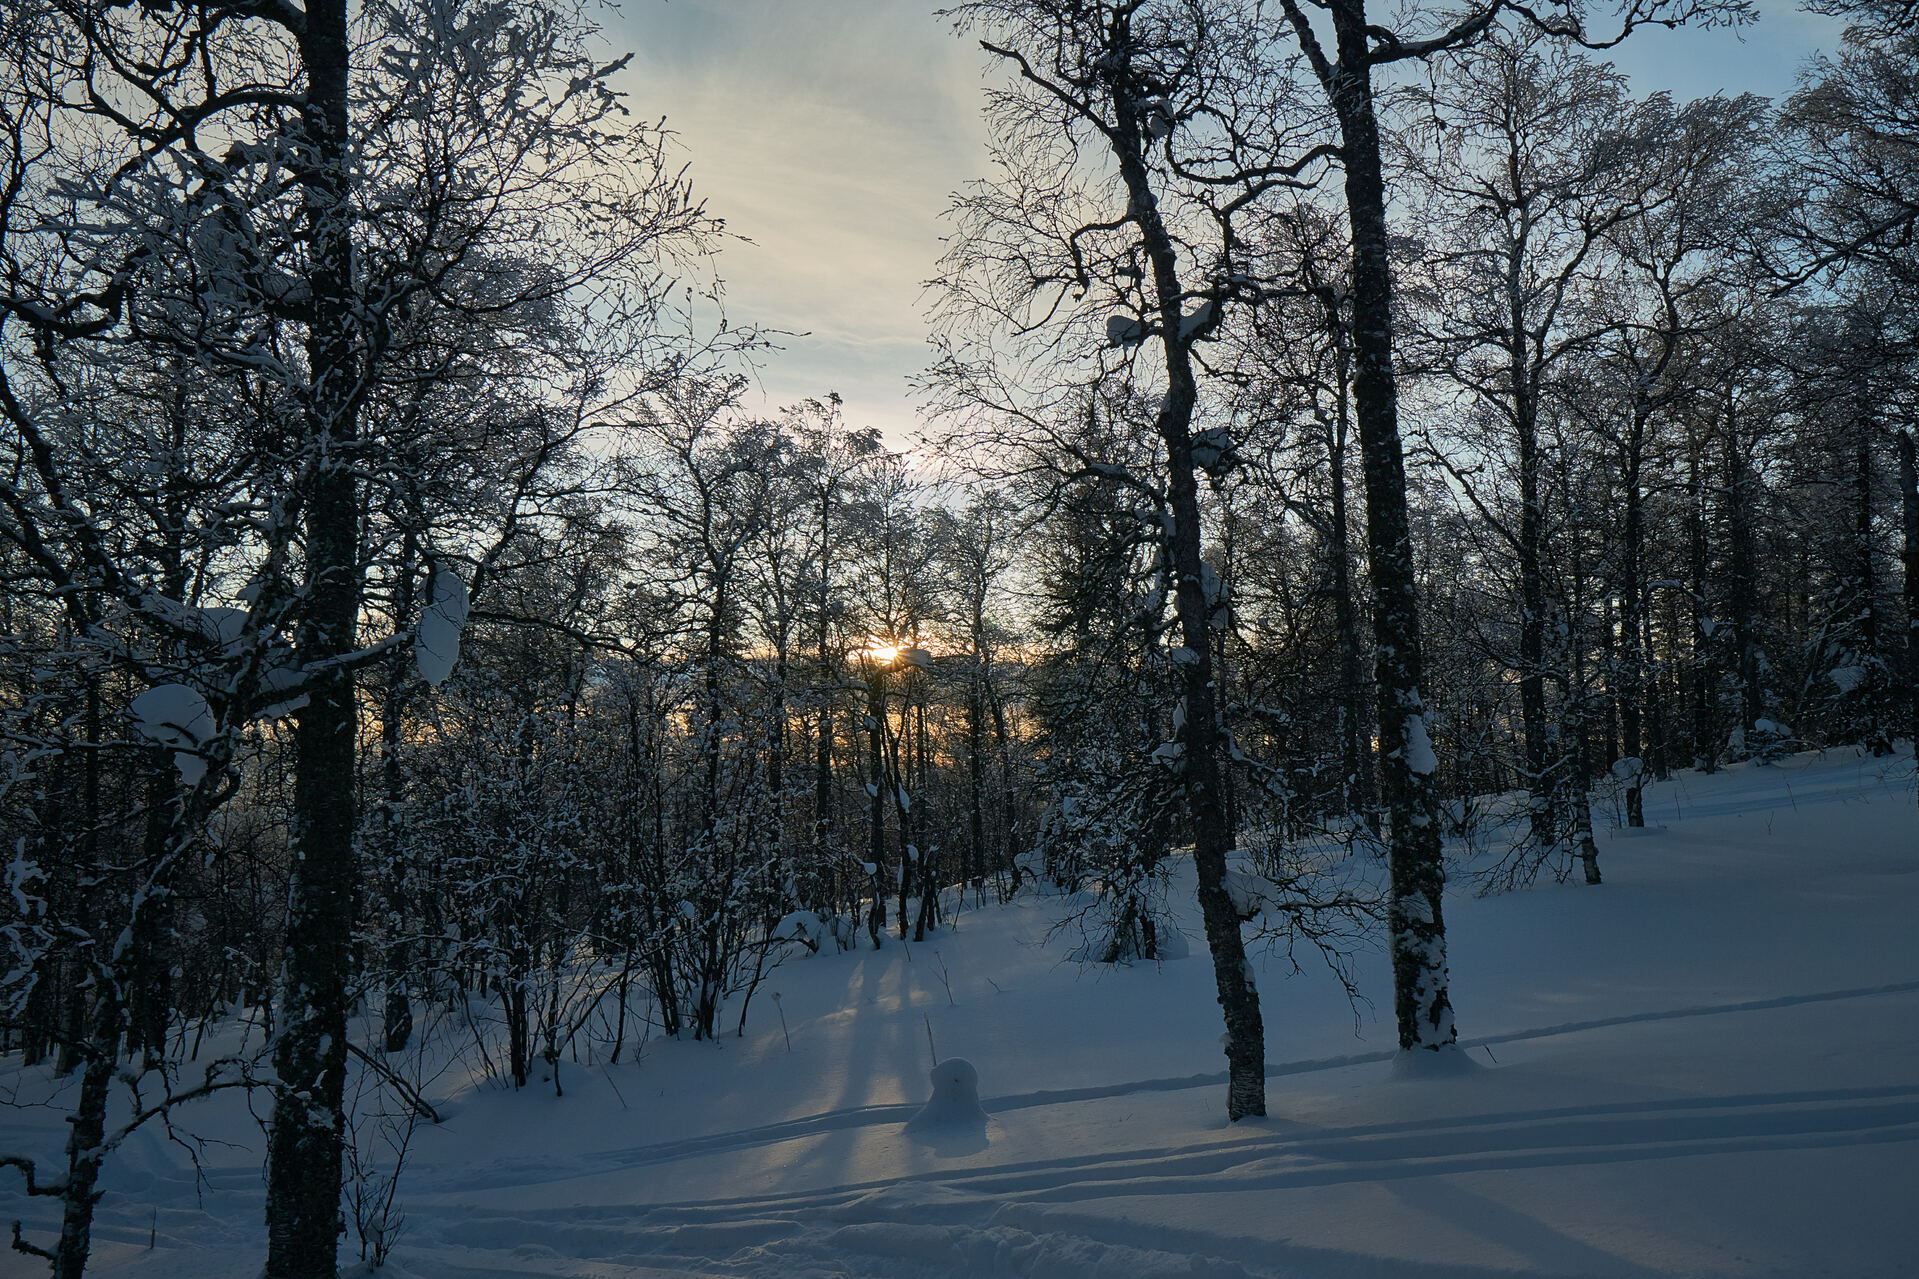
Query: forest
1349	436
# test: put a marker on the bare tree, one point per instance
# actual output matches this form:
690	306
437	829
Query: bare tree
1344	66
1135	137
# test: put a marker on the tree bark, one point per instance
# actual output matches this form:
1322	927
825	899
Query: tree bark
1866	586
1704	677
1202	744
1632	692
397	1012
1743	581
1421	1002
1359	793
1578	731
1909	520
81	1194
876	747
1532	576
304	1147
975	872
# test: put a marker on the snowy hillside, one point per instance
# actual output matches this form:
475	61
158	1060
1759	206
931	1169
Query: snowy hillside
1707	1066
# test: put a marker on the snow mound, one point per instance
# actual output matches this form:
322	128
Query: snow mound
955	1099
1419	747
436	645
177	716
804	927
1448	1062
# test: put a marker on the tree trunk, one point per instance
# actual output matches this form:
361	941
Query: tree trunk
304	1147
1743	581
1632	692
1705	745
975	872
513	1001
1534	623
81	1193
1866	588
829	678
928	916
896	774
1578	761
1909	520
1203	775
1658	760
397	1012
1358	793
1003	743
150	997
876	821
1421	1002
776	742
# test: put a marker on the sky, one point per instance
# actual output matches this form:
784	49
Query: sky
830	135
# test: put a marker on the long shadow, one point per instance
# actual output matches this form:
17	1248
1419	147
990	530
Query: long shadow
512	1172
1303	1156
1034	1197
1516	1231
1409	1158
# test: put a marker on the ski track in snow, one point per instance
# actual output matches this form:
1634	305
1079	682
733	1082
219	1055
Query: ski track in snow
1016	1219
1019	1219
1001	1220
1802	1110
519	1172
1575	1134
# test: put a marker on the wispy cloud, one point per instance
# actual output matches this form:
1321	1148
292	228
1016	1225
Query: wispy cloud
832	133
831	136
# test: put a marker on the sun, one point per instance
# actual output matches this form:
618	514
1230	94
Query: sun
883	653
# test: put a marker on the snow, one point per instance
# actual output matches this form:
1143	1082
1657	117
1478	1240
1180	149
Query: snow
1198	318
804	927
1440	1062
1419	747
220	625
436	645
280	679
955	1100
176	716
1211	448
1157	118
1703	1067
1252	895
1847	678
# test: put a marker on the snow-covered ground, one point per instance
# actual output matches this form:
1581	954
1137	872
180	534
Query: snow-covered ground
1707	1066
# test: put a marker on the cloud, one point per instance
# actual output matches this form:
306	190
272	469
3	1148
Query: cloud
830	136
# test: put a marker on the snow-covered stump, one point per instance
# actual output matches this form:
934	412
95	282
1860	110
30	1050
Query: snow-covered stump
1447	1061
954	1106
